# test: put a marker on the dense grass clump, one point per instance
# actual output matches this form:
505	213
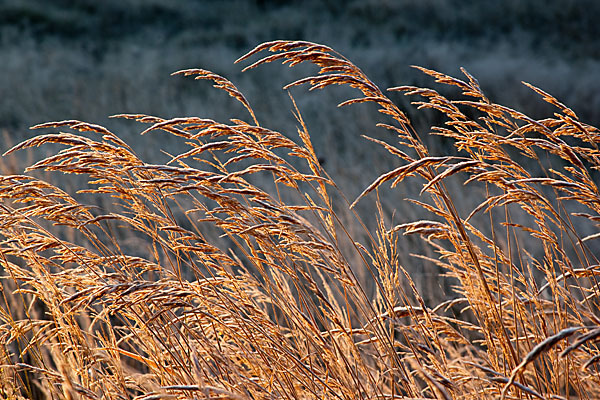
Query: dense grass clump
200	280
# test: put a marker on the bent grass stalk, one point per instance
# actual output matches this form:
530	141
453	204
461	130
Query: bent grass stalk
272	307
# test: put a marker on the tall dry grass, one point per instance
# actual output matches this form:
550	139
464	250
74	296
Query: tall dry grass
275	308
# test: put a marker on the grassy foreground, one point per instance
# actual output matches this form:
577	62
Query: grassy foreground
277	306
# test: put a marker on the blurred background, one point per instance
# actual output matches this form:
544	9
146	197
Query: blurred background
89	59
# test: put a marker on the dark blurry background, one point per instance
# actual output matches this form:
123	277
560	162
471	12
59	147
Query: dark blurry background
88	59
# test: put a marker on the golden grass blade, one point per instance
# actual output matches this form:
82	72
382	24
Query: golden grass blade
451	171
552	100
400	173
536	352
220	83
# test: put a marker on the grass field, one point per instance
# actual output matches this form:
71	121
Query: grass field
289	303
251	244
